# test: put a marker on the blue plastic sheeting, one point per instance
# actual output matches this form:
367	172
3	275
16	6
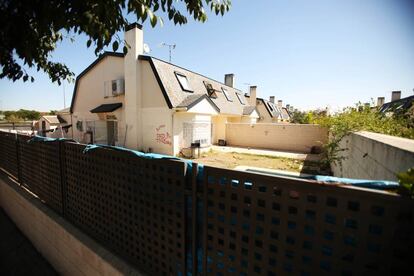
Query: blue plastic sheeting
38	138
365	183
189	163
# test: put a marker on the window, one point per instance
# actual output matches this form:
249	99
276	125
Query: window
183	82
240	97
226	93
270	106
199	131
210	90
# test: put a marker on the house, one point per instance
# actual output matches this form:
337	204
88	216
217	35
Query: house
269	111
404	106
55	126
141	102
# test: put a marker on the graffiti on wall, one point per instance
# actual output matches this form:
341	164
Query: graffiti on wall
162	135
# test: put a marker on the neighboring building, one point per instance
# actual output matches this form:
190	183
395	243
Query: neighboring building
144	103
269	111
56	126
397	105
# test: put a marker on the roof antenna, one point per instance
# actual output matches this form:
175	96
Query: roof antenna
248	85
170	47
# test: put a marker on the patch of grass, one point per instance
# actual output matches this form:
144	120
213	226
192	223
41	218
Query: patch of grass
230	160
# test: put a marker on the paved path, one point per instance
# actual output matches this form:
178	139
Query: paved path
285	154
17	255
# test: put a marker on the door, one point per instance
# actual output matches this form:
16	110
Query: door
111	128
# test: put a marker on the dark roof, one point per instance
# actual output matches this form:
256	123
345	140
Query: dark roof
61	120
52	119
276	112
285	113
193	99
165	74
101	57
400	105
106	108
247	110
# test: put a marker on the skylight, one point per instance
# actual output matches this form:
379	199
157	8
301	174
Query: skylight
240	97
182	79
270	106
210	90
226	93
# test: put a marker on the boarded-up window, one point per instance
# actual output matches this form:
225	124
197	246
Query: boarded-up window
196	132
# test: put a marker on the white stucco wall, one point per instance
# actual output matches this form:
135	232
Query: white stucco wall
287	137
180	118
90	94
375	156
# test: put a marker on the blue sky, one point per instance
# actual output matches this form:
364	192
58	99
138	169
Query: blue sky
310	54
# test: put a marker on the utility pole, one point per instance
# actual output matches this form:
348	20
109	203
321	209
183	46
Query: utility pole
64	96
170	48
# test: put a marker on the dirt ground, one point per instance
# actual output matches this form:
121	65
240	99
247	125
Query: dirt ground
230	160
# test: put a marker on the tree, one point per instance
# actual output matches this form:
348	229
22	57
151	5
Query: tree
30	29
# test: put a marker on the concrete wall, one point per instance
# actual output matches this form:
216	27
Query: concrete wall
375	156
284	137
68	250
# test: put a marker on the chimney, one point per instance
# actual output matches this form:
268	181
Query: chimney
280	103
253	96
395	95
380	101
134	38
272	99
229	80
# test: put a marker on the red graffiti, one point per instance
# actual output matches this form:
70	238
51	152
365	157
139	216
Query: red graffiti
163	137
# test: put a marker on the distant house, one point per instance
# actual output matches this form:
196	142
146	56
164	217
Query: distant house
55	126
270	112
397	105
144	103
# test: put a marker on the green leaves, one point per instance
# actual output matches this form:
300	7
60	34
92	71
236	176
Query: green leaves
115	46
406	180
40	25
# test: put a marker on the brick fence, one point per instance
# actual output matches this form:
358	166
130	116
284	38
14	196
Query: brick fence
170	217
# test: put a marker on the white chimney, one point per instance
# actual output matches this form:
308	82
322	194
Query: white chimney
229	80
134	38
395	95
272	99
280	103
380	101
253	95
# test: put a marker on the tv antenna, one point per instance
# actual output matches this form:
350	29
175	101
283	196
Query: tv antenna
147	49
64	95
248	85
170	47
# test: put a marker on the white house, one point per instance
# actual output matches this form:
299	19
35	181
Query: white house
144	103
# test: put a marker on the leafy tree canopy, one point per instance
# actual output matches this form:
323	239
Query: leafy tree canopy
30	29
21	114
